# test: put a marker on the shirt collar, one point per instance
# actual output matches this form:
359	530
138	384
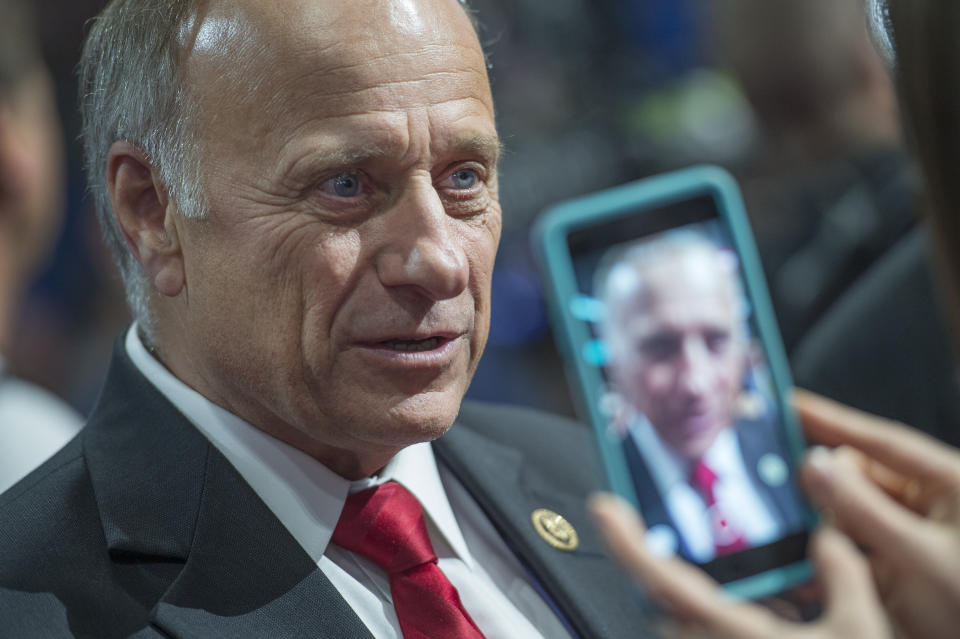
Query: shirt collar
666	467
306	496
670	469
723	454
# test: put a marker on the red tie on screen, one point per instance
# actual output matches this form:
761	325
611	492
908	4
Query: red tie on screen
726	537
385	524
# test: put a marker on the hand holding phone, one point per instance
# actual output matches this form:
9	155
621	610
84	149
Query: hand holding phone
852	606
662	314
896	492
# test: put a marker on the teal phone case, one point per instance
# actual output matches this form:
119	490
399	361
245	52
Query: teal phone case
573	336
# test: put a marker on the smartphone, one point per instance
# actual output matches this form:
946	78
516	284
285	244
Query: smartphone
663	318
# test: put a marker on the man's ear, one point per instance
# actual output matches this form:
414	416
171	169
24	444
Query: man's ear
145	215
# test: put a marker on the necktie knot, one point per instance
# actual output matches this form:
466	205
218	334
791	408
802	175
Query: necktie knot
385	524
705	480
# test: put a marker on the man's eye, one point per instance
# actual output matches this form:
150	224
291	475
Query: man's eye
343	185
659	347
464	179
717	341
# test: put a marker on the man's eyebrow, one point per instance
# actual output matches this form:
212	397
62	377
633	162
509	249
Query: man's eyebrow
488	146
354	155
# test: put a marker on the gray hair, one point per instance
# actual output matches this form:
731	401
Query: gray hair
132	89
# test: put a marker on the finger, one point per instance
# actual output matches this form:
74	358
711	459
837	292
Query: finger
852	602
899	447
917	495
844	573
860	508
684	590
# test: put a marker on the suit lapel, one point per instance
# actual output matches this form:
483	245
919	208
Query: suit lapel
242	573
651	504
246	575
648	497
756	438
509	490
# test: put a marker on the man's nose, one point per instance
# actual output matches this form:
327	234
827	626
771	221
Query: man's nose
422	250
694	374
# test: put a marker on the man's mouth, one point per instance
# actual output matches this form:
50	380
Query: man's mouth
411	352
413	345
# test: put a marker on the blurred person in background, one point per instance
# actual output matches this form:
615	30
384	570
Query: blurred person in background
33	423
833	197
830	189
888	490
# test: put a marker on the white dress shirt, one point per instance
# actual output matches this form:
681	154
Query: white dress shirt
687	508
307	498
34	424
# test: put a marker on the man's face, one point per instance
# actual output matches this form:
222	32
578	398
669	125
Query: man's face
338	293
682	352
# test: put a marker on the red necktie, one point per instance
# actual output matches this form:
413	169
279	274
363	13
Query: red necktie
385	524
726	537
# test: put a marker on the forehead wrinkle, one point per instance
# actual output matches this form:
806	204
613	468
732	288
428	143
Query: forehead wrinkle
354	96
350	56
388	137
343	101
345	82
345	94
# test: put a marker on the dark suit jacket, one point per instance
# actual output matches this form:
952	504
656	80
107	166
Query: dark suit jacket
140	527
756	438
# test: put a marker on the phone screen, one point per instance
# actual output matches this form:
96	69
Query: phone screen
687	396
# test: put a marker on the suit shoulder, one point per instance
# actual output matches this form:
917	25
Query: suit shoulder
61	467
50	511
513	423
56	574
546	440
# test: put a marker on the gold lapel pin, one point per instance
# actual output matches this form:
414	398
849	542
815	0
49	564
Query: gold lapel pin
554	529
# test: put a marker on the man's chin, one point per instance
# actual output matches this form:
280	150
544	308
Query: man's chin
424	417
370	432
696	440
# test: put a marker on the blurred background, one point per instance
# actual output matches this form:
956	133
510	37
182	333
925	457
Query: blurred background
790	96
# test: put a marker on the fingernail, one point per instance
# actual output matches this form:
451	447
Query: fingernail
820	459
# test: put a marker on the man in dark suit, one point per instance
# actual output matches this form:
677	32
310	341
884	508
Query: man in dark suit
700	436
302	199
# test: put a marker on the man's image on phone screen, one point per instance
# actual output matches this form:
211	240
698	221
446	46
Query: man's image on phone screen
689	397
